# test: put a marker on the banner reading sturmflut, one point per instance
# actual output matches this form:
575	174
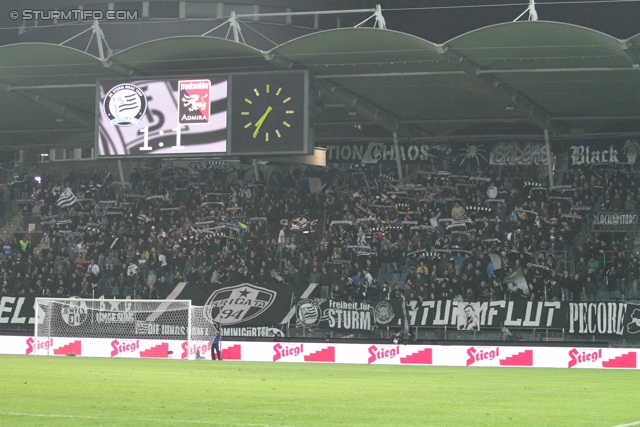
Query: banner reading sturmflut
489	314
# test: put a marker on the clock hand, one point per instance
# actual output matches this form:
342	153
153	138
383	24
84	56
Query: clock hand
258	124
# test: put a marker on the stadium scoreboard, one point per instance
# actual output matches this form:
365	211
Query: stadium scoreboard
258	114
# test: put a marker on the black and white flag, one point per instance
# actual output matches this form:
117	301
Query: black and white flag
362	238
67	198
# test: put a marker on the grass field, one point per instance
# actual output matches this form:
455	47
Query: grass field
67	391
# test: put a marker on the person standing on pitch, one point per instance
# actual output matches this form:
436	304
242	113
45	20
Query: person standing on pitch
215	342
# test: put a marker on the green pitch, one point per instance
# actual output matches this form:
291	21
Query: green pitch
68	391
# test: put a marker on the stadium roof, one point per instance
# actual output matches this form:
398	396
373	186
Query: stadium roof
504	80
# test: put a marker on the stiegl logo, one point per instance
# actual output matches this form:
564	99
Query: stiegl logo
41	345
124	347
476	355
281	351
204	348
576	356
382	353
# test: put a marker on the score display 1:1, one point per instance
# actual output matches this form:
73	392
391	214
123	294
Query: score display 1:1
145	133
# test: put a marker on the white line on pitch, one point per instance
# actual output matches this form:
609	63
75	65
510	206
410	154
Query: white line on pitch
87	417
637	423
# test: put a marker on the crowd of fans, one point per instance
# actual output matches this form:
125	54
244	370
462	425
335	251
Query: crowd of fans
470	234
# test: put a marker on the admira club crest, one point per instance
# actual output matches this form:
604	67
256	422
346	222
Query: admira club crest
237	304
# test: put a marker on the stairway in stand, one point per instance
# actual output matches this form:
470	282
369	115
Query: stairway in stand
12	226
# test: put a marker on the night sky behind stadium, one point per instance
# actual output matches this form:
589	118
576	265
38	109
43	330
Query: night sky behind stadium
620	19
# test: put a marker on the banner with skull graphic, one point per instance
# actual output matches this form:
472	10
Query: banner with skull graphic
302	223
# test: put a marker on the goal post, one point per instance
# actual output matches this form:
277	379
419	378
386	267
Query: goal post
110	322
203	327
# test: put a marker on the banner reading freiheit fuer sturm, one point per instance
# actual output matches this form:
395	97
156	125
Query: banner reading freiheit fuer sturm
348	315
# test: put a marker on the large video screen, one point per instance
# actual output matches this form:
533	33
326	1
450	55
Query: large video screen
162	117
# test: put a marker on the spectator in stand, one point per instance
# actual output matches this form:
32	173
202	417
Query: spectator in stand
458	212
151	279
590	288
162	230
132	269
633	272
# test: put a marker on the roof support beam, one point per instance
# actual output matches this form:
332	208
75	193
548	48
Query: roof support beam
120	68
481	72
361	106
65	111
10	141
631	50
520	102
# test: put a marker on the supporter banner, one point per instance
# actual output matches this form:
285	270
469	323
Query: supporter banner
614	220
608	152
242	305
525	314
255	331
247	310
17	311
518	153
602	318
380	152
502	153
348	315
517	282
469	316
632	322
302	223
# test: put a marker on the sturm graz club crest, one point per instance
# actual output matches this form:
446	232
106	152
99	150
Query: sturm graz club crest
308	312
124	105
237	304
74	313
383	313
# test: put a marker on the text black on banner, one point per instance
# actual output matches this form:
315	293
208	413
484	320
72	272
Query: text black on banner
495	314
347	315
601	318
614	220
17	311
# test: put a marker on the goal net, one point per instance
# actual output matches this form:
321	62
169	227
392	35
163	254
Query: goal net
112	324
203	328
